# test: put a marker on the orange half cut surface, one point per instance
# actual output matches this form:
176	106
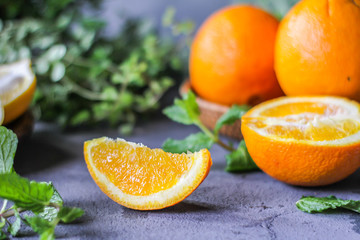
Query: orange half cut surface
17	87
138	177
307	141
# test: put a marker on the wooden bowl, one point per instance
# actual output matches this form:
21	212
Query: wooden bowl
22	126
210	112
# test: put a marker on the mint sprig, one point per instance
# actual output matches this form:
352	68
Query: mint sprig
8	145
240	160
312	204
192	143
39	198
186	111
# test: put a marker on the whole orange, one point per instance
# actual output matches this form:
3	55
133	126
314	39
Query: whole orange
232	57
317	49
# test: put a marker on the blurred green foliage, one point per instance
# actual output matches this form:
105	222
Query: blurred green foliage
278	8
84	78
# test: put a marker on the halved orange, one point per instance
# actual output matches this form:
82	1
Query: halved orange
1	113
17	87
138	177
307	141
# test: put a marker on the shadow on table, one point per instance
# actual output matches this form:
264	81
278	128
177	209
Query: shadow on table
349	184
188	207
34	155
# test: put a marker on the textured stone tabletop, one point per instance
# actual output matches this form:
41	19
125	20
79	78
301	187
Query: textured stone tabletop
225	206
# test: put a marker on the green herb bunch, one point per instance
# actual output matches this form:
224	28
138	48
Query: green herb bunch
186	111
42	203
279	7
83	77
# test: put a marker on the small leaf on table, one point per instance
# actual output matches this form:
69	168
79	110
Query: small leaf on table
240	160
42	227
192	143
68	214
312	204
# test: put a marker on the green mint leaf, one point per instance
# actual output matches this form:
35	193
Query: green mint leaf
48	234
3	235
56	198
42	227
312	204
29	195
185	111
68	214
192	143
8	145
57	72
240	160
15	226
168	17
231	116
2	222
50	213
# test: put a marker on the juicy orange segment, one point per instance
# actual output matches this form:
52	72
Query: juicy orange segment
142	178
305	140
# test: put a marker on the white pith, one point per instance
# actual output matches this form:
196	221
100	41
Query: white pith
18	73
183	187
350	110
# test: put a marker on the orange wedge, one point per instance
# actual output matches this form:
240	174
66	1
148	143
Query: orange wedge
17	87
307	141
138	177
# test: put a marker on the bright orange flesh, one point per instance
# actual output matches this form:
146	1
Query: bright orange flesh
142	178
307	141
125	167
317	50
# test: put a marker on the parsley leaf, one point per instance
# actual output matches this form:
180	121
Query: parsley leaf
185	111
312	204
8	145
68	214
29	195
233	114
240	160
192	143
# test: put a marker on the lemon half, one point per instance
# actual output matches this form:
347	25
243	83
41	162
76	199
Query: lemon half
17	87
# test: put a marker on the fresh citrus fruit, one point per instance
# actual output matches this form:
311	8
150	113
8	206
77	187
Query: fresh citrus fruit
141	178
318	49
306	141
17	86
232	57
1	113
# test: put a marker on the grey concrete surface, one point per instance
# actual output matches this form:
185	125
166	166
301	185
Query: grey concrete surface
225	206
